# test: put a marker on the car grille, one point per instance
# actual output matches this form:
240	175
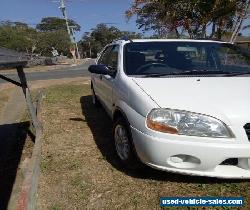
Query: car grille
247	128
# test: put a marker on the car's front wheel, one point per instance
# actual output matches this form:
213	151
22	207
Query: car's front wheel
123	143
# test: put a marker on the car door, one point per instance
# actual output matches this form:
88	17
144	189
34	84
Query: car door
97	78
106	81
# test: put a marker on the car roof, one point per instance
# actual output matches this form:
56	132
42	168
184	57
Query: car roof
166	40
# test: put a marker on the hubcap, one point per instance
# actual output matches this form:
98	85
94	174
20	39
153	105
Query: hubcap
122	142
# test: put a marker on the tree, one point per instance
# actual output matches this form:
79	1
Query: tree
18	36
242	14
58	39
55	23
93	42
193	17
89	46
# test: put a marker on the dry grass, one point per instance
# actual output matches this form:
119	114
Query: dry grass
4	96
80	169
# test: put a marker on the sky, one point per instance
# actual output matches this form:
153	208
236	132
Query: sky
87	13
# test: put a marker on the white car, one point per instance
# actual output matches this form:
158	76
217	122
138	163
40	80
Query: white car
181	106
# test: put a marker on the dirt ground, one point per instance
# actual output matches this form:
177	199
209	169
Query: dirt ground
16	143
79	169
3	98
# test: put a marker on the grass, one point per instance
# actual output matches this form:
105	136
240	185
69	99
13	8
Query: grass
80	169
3	99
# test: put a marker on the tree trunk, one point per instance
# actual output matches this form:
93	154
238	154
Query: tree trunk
190	33
177	33
239	24
213	30
219	30
203	34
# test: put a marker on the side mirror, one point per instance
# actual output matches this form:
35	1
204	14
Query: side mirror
101	69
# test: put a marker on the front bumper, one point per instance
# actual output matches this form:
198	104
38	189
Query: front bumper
193	158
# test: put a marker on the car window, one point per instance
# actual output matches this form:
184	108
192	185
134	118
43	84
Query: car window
113	58
105	56
110	57
147	58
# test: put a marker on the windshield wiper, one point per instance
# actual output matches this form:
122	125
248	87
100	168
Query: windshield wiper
231	74
198	72
191	72
225	73
194	72
157	75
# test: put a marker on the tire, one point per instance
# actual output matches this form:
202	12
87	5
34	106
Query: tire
125	150
95	100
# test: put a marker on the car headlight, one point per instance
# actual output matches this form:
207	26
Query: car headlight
187	123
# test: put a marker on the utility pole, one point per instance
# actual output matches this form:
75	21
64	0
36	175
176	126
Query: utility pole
74	38
63	9
90	51
69	28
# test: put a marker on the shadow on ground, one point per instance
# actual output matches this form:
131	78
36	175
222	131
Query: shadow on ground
101	128
12	140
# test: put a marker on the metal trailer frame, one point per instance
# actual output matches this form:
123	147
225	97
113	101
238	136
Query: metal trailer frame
28	194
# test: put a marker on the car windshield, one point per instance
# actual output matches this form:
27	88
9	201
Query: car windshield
185	58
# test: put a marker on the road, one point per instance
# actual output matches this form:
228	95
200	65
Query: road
71	72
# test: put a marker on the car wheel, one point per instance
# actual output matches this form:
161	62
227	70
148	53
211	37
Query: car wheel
123	144
95	100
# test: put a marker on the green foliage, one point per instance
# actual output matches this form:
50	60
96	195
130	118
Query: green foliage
55	24
17	36
20	37
58	39
93	42
192	17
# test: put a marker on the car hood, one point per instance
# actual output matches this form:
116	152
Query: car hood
226	98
